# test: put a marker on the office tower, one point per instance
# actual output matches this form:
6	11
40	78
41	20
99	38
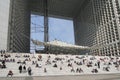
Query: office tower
96	23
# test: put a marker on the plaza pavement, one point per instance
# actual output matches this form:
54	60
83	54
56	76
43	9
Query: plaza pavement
69	77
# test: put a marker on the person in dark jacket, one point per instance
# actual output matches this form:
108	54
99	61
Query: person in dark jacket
20	68
29	71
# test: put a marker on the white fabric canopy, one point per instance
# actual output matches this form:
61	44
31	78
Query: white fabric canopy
59	44
36	42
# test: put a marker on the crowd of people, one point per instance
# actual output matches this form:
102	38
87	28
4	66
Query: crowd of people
74	64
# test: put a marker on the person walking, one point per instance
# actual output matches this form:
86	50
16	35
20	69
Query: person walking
24	68
98	63
29	70
20	68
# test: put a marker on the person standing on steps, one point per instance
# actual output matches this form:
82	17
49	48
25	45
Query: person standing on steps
20	68
29	71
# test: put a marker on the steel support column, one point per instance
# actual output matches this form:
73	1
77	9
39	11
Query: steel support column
46	21
46	36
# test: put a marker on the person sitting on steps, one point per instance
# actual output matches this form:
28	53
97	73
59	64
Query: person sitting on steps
10	73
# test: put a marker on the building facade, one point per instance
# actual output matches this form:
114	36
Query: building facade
99	26
4	22
15	25
96	23
19	26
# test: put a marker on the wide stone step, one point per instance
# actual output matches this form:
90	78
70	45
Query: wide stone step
16	78
82	77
